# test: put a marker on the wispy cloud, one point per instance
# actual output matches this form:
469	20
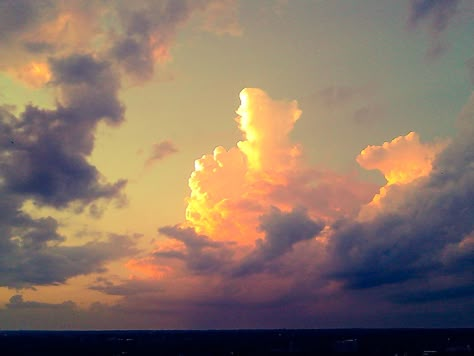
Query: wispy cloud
160	151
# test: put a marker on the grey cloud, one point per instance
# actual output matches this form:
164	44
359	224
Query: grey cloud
436	14
335	96
89	87
424	296
127	288
135	56
39	47
34	254
360	101
144	21
282	232
47	159
161	150
140	33
202	255
20	15
470	69
367	114
44	152
17	302
78	69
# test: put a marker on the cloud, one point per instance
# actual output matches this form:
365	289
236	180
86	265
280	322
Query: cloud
33	31
282	232
160	151
136	37
201	254
44	159
436	14
17	302
262	238
429	219
359	103
129	287
256	222
85	51
231	188
367	114
222	18
401	161
149	29
335	96
33	254
44	152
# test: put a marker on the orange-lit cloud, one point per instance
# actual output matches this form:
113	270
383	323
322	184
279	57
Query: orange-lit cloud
34	74
401	161
243	196
231	189
146	269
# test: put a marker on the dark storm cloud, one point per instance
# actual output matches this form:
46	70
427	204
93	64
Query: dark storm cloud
44	152
44	157
429	235
282	231
424	296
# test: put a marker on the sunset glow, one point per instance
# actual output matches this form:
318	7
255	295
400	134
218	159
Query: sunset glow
236	164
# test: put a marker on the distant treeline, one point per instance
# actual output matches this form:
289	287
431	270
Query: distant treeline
401	342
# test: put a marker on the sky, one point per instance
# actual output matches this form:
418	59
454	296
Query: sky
223	164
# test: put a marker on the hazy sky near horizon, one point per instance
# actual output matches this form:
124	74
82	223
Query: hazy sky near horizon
236	164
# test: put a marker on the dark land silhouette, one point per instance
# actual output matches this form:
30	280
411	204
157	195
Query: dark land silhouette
400	342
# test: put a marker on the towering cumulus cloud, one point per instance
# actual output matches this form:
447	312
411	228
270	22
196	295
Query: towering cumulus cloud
230	189
264	231
253	207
